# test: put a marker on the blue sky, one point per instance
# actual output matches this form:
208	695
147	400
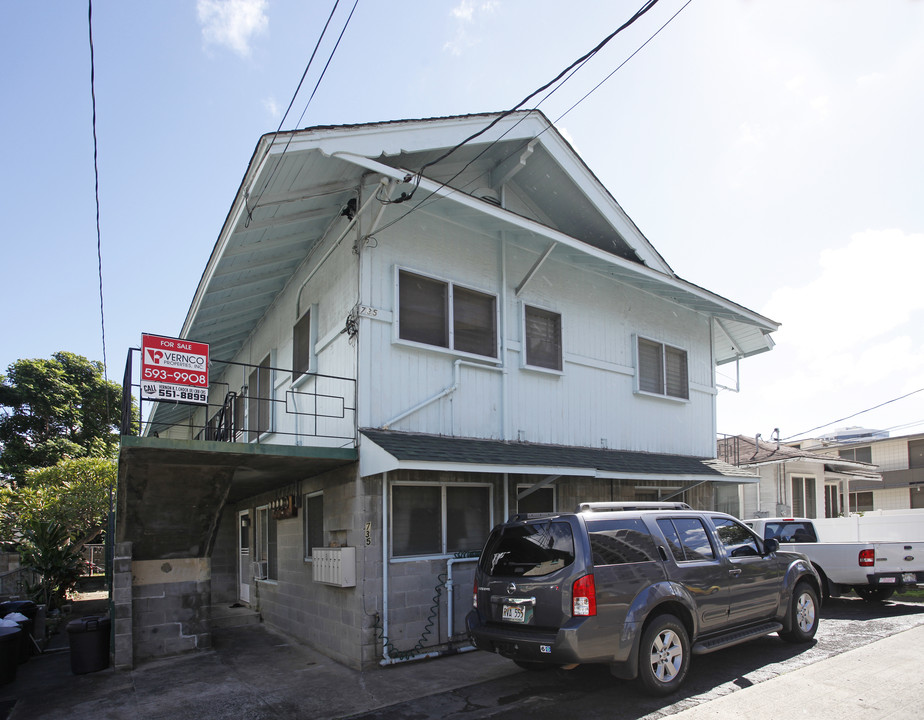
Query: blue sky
770	150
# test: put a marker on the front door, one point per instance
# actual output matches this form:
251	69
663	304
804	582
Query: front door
244	555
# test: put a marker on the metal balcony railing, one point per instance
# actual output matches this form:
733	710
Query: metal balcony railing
313	405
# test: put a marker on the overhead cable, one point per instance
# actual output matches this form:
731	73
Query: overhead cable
99	237
269	145
404	197
833	422
577	65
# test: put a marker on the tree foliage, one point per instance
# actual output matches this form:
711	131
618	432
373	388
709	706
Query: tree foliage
53	410
74	494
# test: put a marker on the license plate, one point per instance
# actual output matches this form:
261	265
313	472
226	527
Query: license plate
909	577
887	581
514	613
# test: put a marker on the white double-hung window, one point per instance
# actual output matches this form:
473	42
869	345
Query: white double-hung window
438	519
445	314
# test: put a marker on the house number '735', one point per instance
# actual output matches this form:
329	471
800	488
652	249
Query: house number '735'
367	311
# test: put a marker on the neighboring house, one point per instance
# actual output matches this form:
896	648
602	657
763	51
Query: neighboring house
900	461
793	480
397	365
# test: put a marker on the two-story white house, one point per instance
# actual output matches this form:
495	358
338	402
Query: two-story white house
416	328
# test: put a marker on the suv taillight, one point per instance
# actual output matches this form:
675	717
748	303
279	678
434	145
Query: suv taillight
867	558
475	595
584	597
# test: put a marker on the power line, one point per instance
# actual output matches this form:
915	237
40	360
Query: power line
99	237
573	68
292	102
618	67
404	197
833	422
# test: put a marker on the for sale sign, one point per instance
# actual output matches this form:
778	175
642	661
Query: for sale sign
174	370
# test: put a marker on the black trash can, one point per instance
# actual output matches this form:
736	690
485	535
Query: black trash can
9	653
25	640
89	642
24	607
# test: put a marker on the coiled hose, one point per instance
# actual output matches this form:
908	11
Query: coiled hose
431	617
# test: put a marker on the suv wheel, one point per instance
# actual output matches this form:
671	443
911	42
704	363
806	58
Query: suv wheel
664	655
804	614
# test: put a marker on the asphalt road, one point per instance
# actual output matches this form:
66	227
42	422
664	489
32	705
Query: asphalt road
591	692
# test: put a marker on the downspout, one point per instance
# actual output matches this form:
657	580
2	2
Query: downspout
449	602
330	250
503	348
448	390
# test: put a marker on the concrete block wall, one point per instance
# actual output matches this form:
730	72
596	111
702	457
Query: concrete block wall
330	619
170	606
122	624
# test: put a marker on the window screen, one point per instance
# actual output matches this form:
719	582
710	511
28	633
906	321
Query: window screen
416	520
650	370
301	346
467	518
543	338
423	306
314	522
258	403
474	320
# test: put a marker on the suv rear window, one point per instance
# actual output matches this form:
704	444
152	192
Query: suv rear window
616	542
531	549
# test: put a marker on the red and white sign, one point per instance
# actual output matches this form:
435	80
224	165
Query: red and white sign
174	370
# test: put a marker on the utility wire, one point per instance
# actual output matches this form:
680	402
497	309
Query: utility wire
875	407
99	240
404	197
618	67
574	67
292	102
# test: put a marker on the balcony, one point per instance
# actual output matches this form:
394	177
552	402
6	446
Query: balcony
266	405
261	433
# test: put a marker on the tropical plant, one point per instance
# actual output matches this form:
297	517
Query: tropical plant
55	409
73	493
49	549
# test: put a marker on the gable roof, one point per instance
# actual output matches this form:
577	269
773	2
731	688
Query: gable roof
388	450
744	451
299	184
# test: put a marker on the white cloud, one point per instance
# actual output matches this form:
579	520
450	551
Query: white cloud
272	108
232	23
866	289
851	338
467	13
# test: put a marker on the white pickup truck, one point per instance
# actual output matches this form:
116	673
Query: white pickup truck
875	570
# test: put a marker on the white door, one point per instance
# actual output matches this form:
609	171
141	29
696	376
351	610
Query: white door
244	554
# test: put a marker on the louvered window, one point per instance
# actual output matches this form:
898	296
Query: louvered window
662	370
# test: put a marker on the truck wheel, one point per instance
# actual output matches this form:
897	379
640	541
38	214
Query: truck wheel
874	594
664	655
804	614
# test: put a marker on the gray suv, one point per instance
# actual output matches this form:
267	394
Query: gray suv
638	586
